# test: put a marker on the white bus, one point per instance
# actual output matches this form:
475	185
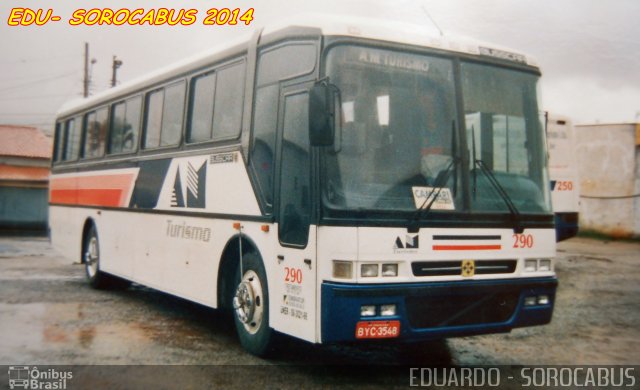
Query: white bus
334	180
565	194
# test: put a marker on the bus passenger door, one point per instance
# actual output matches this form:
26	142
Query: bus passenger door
293	305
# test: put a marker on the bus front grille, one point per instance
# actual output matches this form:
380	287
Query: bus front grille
458	310
452	268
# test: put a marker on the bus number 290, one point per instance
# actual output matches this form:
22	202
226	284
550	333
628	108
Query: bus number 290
293	275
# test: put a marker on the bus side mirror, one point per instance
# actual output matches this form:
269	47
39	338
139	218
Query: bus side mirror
321	115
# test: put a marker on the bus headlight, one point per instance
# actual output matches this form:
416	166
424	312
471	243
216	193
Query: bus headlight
530	265
537	265
388	310
369	270
367	311
389	269
342	269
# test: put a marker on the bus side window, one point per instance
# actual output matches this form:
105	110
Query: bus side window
125	123
72	139
173	114
164	116
264	133
227	116
58	151
153	119
274	66
201	112
95	132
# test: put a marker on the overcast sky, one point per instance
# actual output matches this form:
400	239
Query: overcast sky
589	50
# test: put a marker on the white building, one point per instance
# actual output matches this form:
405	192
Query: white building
609	169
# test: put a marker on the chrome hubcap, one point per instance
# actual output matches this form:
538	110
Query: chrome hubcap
247	302
91	257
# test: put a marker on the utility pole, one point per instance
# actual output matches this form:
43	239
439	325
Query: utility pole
116	64
85	79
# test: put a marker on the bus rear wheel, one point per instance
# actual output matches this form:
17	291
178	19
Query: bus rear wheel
91	260
251	307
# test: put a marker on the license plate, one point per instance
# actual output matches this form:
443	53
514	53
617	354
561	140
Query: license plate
377	329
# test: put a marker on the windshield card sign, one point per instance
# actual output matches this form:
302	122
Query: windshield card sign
443	202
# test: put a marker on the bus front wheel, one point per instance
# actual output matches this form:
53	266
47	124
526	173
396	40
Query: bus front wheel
251	306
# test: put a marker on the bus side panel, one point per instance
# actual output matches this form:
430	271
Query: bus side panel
292	274
334	243
66	230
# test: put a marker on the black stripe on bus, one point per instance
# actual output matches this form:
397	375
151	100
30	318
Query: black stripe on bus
198	214
466	237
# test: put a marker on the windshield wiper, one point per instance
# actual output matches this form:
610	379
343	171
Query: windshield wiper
515	214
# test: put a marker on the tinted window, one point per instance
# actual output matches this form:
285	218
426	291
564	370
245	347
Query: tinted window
95	133
72	139
202	92
125	124
264	132
228	103
154	119
295	191
118	122
59	149
165	111
286	62
172	116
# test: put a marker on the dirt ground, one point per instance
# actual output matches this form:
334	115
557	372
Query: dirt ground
48	315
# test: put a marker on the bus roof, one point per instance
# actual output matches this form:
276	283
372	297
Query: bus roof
425	35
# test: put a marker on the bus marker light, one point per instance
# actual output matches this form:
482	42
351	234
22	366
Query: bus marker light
236	225
342	269
377	329
367	311
265	228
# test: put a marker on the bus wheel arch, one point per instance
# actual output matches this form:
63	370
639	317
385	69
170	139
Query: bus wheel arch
228	266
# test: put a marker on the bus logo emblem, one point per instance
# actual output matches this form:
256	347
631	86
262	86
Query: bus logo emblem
468	268
192	194
410	242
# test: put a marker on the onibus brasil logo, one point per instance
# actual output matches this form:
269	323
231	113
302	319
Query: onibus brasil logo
25	377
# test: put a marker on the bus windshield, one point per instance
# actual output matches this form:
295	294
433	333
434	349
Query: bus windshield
397	143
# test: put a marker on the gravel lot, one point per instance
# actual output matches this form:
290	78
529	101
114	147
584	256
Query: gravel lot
49	315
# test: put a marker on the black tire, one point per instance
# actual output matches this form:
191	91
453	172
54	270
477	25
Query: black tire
91	260
250	303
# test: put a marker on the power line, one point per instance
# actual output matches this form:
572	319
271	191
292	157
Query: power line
37	59
34	97
26	114
61	76
19	79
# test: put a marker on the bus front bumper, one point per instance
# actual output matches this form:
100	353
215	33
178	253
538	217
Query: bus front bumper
435	310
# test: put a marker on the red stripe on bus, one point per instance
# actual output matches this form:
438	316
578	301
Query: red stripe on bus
99	190
88	197
466	247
